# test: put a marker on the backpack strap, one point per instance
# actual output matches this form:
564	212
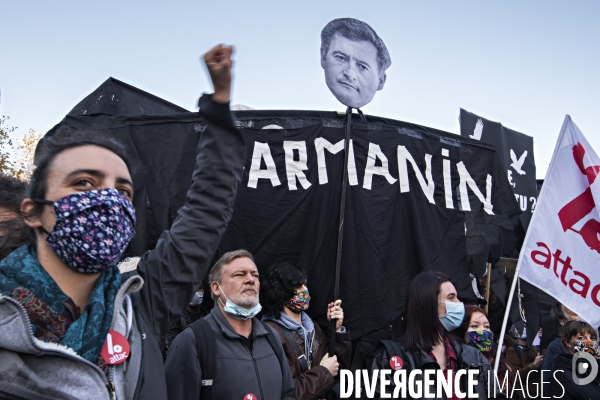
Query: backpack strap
292	340
206	346
277	347
521	353
518	350
392	347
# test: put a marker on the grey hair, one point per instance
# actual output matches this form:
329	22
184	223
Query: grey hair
216	273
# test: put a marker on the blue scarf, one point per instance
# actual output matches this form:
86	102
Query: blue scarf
54	316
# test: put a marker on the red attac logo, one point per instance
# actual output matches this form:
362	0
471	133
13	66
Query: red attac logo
582	205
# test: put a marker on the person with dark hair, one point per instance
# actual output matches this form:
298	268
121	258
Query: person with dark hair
13	231
525	360
286	298
476	331
12	193
71	325
13	234
577	337
230	354
431	311
560	315
354	59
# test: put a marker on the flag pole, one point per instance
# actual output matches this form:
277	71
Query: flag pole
487	287
506	314
338	261
535	216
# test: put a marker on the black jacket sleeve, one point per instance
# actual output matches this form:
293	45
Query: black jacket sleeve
176	266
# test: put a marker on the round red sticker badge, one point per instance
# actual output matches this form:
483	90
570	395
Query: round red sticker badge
115	349
396	363
250	396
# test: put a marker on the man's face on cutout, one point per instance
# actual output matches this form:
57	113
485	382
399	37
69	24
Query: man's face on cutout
351	71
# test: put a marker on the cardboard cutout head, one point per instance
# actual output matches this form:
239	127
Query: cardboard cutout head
354	59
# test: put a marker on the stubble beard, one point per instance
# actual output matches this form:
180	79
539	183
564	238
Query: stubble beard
246	301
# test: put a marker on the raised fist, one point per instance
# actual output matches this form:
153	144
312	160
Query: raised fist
219	64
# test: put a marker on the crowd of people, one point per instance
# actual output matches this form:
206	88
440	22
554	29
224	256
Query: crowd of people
79	322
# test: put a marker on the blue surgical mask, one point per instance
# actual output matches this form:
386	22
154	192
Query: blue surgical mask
197	299
239	312
455	312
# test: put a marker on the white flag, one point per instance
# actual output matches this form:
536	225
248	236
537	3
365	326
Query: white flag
561	253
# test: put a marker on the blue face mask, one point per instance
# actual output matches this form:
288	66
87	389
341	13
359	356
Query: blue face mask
239	312
197	299
455	312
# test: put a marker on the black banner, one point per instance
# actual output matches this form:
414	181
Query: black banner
516	152
410	190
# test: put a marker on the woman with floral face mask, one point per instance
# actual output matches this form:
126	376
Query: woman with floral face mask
73	323
285	299
476	332
577	338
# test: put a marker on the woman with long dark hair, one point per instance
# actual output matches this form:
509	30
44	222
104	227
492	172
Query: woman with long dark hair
285	299
431	311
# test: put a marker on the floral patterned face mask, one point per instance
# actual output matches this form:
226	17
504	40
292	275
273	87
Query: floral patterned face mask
92	229
299	302
588	346
481	340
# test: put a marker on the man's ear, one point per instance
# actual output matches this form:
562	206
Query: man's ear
31	220
214	287
382	78
322	61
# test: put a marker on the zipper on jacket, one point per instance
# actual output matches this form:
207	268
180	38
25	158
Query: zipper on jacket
61	352
111	390
262	394
138	386
111	383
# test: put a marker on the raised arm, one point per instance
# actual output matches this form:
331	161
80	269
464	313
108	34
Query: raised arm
175	268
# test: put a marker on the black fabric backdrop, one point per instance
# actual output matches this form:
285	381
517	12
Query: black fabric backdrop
536	303
114	97
506	140
389	236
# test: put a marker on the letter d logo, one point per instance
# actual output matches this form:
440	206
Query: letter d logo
582	367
